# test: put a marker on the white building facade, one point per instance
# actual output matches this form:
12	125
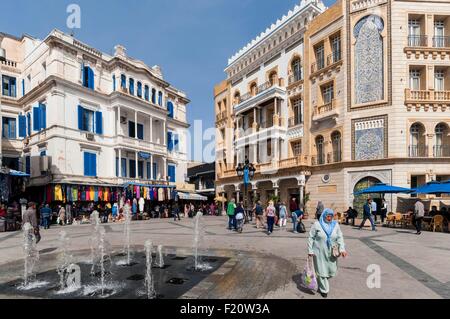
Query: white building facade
72	114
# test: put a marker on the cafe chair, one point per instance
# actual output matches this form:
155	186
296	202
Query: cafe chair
437	223
390	218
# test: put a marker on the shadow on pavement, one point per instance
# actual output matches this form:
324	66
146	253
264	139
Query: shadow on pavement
298	281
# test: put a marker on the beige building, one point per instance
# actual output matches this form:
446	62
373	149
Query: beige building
330	100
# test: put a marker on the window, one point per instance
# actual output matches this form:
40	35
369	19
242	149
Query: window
414	33
336	48
88	77
160	98
320	58
171	172
297	107
90	164
114	83
39	117
237	97
140	132
147	93
123	81
139	89
273	78
297	69
170	144
153	96
131	129
439	34
9	86
9	128
269	147
336	143
328	93
131	84
28	164
141	169
123	167
155	170
22	126
170	109
320	150
132	169
297	148
439	76
414	79
253	89
86	120
149	176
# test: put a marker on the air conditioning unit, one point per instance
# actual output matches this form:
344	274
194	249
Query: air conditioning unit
123	120
90	136
44	164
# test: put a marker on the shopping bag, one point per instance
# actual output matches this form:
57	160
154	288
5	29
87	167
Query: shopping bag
309	279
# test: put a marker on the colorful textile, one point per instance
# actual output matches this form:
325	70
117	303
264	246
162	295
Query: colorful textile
74	194
91	193
58	193
95	194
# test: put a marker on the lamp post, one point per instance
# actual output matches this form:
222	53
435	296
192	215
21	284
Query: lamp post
247	172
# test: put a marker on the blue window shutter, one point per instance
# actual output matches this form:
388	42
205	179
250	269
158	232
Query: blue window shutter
29	123
22	126
114	83
153	96
43	116
148	171
131	129
85	75
155	170
91	82
86	163
94	164
28	165
98	123
169	141
80	117
23	87
176	142
160	98
141	169
36	118
139	89
131	86
170	109
171	171
43	153
140	131
132	168
123	81
124	167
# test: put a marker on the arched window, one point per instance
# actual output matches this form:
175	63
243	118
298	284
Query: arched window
139	89
237	97
170	109
320	145
417	147
147	93
442	145
337	146
88	77
153	96
160	98
273	78
296	67
123	81
253	89
131	88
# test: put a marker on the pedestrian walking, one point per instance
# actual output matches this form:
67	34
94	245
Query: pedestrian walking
231	214
46	214
134	208
374	210
62	215
367	215
319	209
325	246
283	215
259	215
29	216
271	214
115	211
176	212
384	210
239	217
419	213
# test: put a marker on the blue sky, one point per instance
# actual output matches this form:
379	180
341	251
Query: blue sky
190	39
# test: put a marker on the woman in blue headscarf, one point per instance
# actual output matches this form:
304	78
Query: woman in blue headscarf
325	245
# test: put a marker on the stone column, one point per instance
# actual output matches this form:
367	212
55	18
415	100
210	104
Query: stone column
164	133
136	164
165	169
151	168
430	144
119	151
151	129
135	126
118	121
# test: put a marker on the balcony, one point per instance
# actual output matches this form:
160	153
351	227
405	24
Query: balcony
441	42
326	111
295	78
323	65
417	41
221	116
294	121
8	63
419	150
334	157
262	94
418	98
441	151
140	144
318	160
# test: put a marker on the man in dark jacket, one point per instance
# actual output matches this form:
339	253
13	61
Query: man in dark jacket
46	214
367	215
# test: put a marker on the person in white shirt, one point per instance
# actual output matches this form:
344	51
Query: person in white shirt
419	213
374	209
141	205
384	210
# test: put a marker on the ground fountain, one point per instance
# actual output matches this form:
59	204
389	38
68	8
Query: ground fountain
199	235
160	257
149	284
126	233
64	260
31	255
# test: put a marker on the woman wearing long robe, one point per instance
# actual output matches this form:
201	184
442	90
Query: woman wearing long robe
324	235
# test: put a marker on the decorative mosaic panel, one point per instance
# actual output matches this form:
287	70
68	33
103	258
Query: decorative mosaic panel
369	65
369	140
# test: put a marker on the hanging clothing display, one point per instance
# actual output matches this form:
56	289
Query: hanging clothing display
58	193
100	194
161	194
74	194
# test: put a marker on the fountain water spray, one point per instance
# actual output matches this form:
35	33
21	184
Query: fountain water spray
64	260
31	254
149	284
199	234
160	257
126	233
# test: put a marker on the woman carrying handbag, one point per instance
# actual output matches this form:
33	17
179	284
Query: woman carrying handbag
325	246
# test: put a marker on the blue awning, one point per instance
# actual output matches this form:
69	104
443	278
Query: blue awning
148	185
384	189
18	174
434	188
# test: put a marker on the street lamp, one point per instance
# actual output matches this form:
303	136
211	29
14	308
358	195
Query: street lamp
247	172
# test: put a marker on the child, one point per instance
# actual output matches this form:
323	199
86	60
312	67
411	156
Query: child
283	215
